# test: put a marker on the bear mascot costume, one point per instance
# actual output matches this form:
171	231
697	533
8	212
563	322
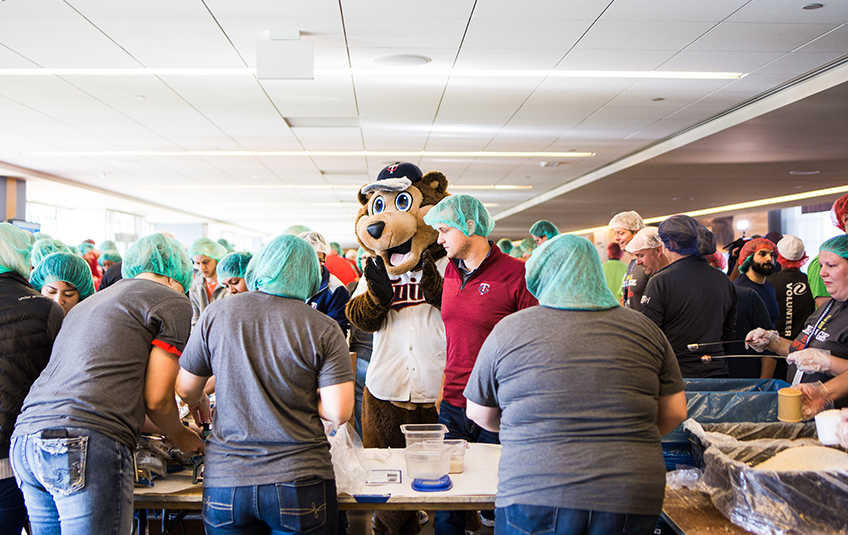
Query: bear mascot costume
398	299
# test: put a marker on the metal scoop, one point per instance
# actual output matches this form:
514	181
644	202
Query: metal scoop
707	358
695	347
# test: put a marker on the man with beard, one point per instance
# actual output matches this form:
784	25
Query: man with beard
647	248
756	262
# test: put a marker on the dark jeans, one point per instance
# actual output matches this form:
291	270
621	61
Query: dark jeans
522	519
13	514
459	426
306	505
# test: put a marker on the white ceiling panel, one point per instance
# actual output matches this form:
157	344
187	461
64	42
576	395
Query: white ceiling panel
704	61
672	10
799	63
579	91
524	33
146	9
833	41
441	58
10	59
324	139
325	97
163	42
539	9
19	32
647	35
790	12
386	33
762	37
75	57
589	59
508	59
398	11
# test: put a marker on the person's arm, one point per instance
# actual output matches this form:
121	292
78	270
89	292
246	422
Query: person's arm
767	366
489	418
728	331
191	389
441	395
335	403
671	411
162	370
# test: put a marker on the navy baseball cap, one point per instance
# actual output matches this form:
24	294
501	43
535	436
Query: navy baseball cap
395	177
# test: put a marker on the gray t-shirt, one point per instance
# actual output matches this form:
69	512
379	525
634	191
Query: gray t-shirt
269	355
578	394
95	378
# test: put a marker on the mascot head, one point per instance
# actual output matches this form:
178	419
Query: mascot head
391	221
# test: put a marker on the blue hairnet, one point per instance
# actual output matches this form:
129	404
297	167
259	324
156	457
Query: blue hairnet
294	230
85	247
66	267
462	212
286	266
505	245
565	272
683	235
528	245
207	247
107	245
544	228
45	246
161	255
234	265
837	246
109	255
223	242
15	250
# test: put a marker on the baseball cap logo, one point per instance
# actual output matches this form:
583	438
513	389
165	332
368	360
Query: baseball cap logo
392	168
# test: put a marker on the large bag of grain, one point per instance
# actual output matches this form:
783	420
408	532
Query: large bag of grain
779	487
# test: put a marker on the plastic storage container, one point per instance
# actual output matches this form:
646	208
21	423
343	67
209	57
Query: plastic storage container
428	460
416	433
457	463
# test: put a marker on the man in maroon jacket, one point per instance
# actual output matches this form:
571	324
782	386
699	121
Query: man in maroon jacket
481	286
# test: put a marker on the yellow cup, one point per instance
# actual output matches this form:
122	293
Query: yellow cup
789	405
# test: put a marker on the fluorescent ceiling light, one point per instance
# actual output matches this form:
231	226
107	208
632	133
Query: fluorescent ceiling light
423	153
734	207
491	73
307	187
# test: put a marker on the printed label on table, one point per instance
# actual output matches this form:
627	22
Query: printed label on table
381	477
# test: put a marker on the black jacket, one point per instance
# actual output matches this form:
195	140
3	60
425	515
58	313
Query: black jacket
29	323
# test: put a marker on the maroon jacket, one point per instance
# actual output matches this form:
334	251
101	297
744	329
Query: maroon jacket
471	310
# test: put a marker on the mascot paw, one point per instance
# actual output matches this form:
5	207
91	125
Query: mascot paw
431	280
379	285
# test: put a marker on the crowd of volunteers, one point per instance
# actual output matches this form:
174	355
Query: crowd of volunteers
574	365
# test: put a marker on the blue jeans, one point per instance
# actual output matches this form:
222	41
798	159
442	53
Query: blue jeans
519	519
359	385
459	426
13	514
306	505
75	481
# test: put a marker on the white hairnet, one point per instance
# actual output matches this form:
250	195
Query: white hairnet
627	220
647	238
316	240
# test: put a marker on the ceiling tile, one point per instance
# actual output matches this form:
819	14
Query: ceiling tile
646	35
759	37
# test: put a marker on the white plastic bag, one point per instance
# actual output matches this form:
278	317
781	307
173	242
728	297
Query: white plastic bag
349	462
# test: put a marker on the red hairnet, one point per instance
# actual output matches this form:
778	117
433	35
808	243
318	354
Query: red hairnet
717	260
755	245
840	208
614	251
791	264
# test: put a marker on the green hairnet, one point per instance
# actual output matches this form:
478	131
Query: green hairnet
505	245
544	228
335	246
462	212
294	230
85	247
207	247
107	245
45	246
359	254
565	272
110	255
233	265
517	252
528	244
286	266
160	255
31	236
42	236
66	267
15	250
837	246
227	245
74	249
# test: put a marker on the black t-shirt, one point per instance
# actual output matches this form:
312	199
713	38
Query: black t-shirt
751	313
693	303
795	301
112	275
833	335
767	294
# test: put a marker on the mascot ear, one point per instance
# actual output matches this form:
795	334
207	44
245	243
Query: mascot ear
436	181
363	199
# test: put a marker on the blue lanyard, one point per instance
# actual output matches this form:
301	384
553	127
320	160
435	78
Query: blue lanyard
821	323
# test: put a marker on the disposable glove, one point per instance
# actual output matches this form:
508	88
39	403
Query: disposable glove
814	398
759	339
842	429
810	360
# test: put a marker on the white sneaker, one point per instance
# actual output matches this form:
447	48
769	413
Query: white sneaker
489	523
423	517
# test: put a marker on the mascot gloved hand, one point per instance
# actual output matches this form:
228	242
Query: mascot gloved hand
379	285
431	280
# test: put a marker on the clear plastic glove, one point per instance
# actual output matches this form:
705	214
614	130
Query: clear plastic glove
810	360
814	398
759	339
842	429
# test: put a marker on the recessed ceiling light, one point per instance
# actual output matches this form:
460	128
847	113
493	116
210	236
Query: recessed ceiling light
402	60
804	172
658	99
812	6
137	97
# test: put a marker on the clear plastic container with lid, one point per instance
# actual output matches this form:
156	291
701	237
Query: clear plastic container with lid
428	460
416	433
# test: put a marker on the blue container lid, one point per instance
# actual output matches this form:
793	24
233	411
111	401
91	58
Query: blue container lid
432	485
